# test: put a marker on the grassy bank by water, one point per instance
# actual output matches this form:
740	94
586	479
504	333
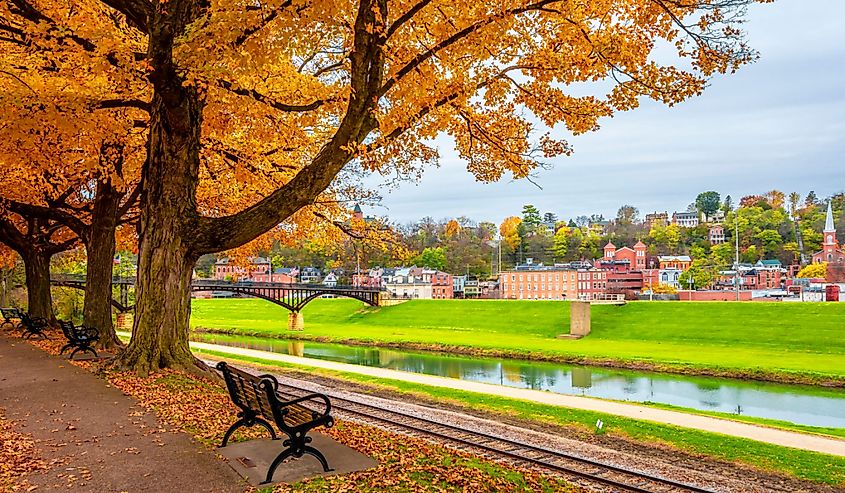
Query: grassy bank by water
788	342
806	465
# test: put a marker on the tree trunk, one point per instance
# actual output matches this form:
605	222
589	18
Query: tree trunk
168	219
39	299
100	251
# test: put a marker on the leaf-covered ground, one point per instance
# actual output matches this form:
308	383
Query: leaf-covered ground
202	408
18	457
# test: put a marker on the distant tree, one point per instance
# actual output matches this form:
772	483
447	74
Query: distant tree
728	204
486	230
814	271
699	275
775	198
550	218
596	218
750	254
750	200
571	224
531	216
452	228
664	289
509	232
811	199
770	240
692	207
627	214
665	238
794	200
582	221
708	202
432	258
561	243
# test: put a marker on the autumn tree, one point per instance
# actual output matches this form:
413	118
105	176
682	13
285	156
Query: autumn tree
36	240
90	189
329	85
814	271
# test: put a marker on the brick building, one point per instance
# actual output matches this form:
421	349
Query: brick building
657	219
716	234
572	281
257	269
679	262
765	274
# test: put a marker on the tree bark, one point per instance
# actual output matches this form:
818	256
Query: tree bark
168	218
100	249
39	299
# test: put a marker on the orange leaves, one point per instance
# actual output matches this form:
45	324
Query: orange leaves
18	457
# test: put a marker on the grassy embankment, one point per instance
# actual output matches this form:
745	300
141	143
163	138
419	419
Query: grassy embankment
806	465
786	342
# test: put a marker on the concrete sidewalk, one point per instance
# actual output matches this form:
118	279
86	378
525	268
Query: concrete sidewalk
101	439
774	436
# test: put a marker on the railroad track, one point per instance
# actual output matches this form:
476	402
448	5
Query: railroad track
569	466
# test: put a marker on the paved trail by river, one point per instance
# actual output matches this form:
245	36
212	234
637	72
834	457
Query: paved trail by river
744	430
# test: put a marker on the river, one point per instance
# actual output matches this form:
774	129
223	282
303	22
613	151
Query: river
807	405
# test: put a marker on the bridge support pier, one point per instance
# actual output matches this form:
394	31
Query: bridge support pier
296	321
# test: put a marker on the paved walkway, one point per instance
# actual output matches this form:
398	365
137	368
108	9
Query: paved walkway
101	439
760	433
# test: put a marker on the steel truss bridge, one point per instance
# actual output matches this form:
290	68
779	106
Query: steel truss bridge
291	296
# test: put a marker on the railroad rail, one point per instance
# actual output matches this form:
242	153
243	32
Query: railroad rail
496	447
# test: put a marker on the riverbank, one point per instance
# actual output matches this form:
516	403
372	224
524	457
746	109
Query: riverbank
799	343
575	422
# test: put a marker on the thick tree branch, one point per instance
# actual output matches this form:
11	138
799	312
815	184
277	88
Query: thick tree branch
367	65
124	103
50	213
137	12
261	98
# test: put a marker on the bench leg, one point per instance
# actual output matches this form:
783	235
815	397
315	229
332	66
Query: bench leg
319	455
247	422
279	459
83	349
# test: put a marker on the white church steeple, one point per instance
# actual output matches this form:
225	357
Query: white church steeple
828	222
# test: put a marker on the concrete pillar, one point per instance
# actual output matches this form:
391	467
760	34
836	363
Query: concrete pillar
579	318
295	321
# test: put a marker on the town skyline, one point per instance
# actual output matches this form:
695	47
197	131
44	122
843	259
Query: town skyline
610	214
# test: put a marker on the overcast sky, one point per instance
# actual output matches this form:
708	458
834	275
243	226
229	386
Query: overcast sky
778	123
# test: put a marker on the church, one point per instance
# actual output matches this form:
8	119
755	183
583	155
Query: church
830	251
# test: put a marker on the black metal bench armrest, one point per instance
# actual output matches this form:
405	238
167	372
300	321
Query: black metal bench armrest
284	403
90	333
272	378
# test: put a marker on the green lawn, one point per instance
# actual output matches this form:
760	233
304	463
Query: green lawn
800	342
806	465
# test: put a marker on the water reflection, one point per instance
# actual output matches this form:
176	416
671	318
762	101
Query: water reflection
797	404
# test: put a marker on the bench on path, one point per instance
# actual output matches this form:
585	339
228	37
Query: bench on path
260	403
11	317
79	338
33	326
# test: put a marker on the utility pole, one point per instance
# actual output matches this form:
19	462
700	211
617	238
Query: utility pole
736	261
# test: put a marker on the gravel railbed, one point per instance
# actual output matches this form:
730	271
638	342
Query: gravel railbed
657	460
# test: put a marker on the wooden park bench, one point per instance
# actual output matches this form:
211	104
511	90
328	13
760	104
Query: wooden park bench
260	403
33	326
11	317
79	338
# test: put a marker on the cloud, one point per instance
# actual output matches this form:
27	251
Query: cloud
775	124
